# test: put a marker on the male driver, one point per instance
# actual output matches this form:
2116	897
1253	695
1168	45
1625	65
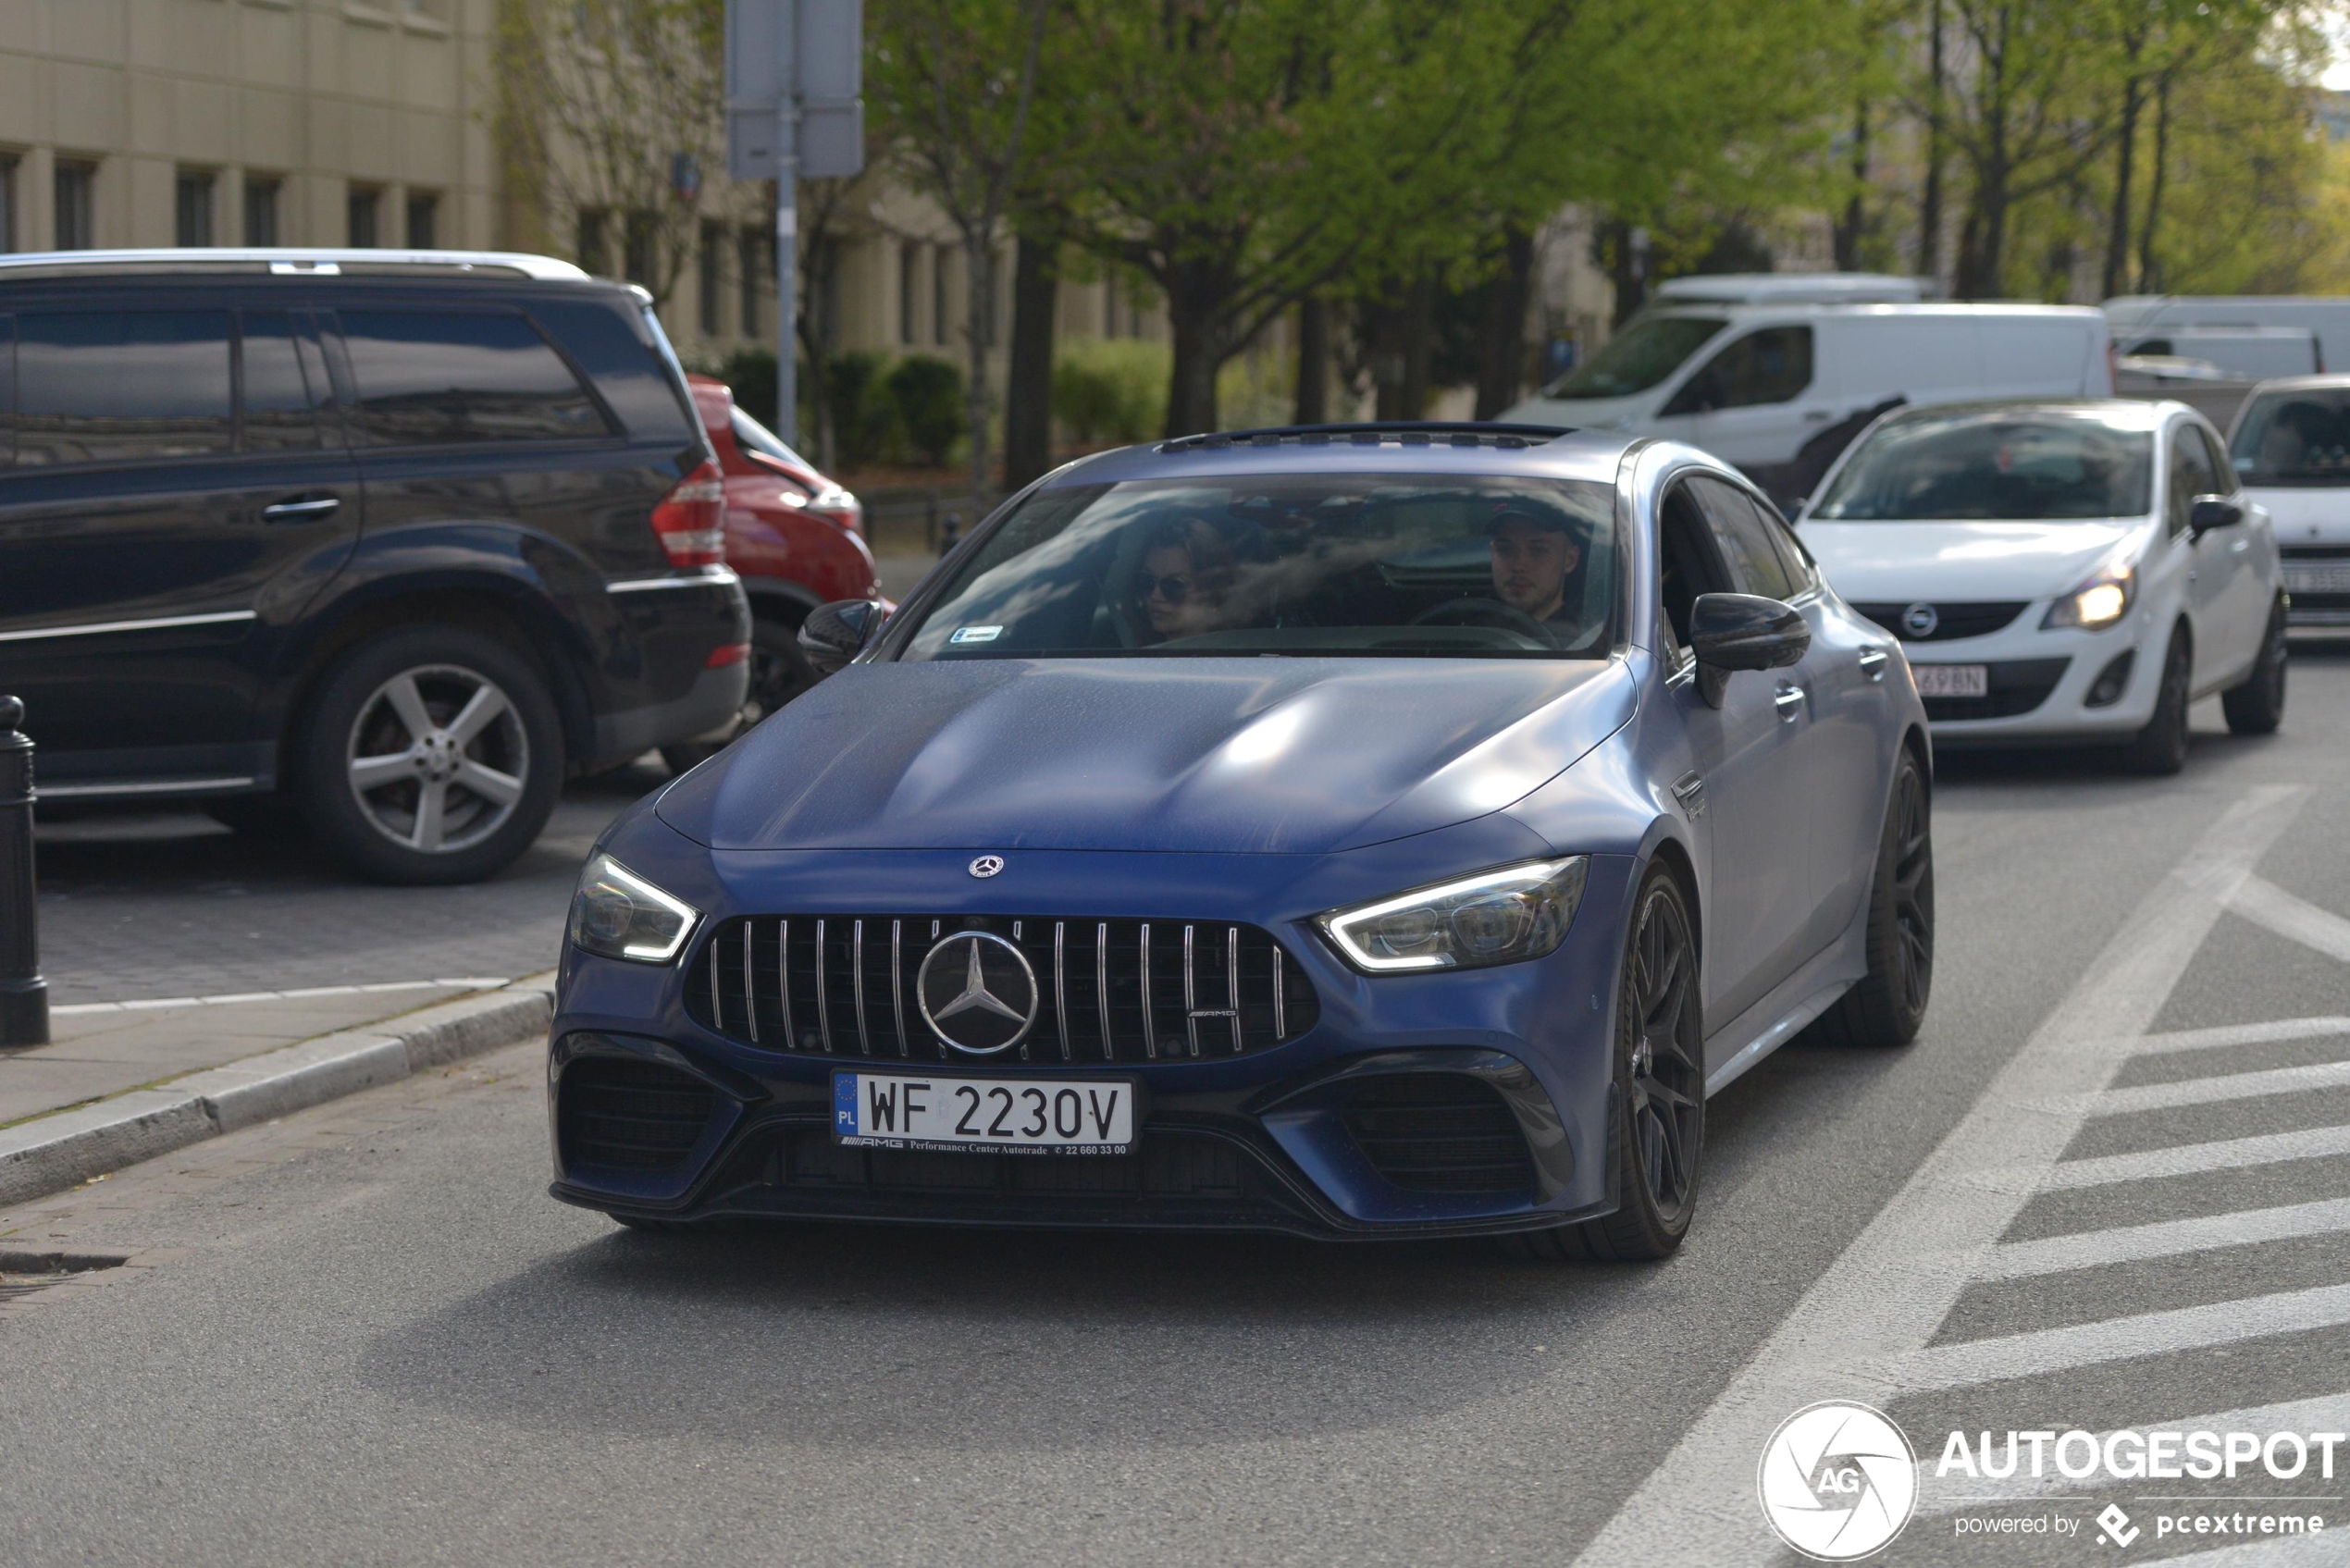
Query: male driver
1533	557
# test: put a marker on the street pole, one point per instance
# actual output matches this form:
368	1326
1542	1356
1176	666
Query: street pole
786	273
24	996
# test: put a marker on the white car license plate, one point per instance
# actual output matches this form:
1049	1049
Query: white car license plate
2315	579
939	1111
1952	680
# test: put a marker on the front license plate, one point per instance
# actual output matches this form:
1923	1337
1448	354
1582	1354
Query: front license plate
2326	579
1952	680
1016	1116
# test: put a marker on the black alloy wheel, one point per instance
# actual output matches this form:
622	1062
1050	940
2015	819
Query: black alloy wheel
2257	708
1659	1136
1886	1007
779	672
2160	749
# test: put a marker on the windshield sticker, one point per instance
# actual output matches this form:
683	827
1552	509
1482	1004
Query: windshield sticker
976	634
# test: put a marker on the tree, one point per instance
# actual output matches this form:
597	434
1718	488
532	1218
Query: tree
956	83
602	105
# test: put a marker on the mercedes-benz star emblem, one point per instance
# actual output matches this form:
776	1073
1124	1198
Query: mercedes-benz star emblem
987	866
977	991
1920	620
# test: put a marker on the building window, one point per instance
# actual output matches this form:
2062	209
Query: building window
77	185
938	295
751	251
7	202
591	242
192	209
640	247
910	261
261	211
424	220
710	286
364	205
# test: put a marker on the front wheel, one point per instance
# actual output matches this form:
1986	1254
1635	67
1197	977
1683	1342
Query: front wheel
1887	1005
2160	749
1659	1092
2257	708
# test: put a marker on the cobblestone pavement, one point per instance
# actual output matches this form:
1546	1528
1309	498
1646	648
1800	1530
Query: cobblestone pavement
170	903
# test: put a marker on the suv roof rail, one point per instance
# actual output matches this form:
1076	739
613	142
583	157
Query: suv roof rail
1403	432
287	260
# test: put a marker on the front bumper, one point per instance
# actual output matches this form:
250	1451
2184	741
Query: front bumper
1261	1140
2042	682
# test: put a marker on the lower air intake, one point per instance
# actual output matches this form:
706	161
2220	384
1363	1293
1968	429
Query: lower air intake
1439	1132
630	1114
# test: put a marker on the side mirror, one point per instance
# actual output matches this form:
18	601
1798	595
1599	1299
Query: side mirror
1729	632
834	633
2207	513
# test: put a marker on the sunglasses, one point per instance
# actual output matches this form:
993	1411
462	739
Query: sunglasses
1172	590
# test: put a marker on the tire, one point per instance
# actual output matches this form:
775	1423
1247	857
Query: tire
1889	1005
383	830
779	672
2160	749
2257	708
1658	1138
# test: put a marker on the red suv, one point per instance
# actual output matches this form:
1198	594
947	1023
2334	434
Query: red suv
797	539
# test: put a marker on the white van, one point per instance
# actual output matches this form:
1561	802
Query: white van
1788	288
2137	317
2251	353
1780	389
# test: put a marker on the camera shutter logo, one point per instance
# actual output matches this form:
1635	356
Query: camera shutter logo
976	989
1837	1481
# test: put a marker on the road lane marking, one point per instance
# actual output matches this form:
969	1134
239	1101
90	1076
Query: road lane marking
1880	1301
2263	903
2276	1552
2171	1238
2219	1087
2190	1159
2241	1034
2044	1351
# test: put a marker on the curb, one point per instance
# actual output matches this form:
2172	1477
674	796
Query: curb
51	1153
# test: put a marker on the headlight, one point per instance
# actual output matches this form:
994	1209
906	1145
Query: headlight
2097	603
1497	917
617	914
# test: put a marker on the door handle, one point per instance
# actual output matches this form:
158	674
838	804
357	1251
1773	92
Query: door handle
1690	790
1872	664
1789	702
1815	416
299	510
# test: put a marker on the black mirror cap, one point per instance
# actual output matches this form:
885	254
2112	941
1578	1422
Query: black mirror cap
1747	631
2207	513
834	633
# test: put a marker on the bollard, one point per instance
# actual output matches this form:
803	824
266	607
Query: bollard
950	533
24	996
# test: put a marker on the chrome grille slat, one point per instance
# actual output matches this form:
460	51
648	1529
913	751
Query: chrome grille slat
1281	985
897	979
1060	986
717	1006
783	982
824	1011
1150	1029
750	991
1191	997
1232	984
856	983
1101	985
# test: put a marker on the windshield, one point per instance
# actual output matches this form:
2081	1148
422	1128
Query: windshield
1637	358
2300	437
752	436
1318	564
1998	465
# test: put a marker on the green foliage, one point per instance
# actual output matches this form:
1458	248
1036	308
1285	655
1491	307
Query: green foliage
866	427
751	373
1110	390
927	395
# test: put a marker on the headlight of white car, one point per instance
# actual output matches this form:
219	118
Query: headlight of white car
1498	917
2097	603
617	914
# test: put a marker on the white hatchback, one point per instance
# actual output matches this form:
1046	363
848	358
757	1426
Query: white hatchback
2060	571
2291	449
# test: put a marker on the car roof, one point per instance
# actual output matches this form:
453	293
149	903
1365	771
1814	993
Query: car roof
2300	384
1842	311
289	262
1533	451
2123	414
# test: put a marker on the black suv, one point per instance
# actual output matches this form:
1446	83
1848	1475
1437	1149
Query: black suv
398	539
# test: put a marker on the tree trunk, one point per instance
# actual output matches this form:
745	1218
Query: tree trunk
2117	234
979	332
1419	342
1847	233
1190	387
1500	332
1930	203
1312	362
1028	398
1626	267
2149	267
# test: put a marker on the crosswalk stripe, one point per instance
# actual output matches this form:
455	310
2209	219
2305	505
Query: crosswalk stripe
2263	903
2121	1339
2240	1034
2322	1550
2092	1249
2188	1159
2225	1086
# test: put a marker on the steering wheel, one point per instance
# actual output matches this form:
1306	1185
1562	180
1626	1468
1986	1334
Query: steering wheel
1487	613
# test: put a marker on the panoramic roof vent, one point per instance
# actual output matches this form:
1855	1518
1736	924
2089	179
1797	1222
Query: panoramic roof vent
1407	433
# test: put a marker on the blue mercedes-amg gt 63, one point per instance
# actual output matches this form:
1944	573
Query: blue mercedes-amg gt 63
1348	831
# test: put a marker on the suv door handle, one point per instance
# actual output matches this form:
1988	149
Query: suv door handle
1872	664
1789	702
299	510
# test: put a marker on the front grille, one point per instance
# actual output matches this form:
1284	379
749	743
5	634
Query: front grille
845	985
2315	552
2016	686
630	1113
1439	1132
1965	620
2305	603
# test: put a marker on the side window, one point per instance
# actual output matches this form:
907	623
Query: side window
1745	537
1769	366
442	377
280	403
2192	475
8	391
2223	474
1687	562
121	386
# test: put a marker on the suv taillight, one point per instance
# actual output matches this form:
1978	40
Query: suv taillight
691	519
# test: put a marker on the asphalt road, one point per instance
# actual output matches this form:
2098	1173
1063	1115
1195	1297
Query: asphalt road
2106	1187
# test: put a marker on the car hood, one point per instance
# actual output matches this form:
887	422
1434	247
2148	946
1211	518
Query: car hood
1275	756
1887	561
1580	414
